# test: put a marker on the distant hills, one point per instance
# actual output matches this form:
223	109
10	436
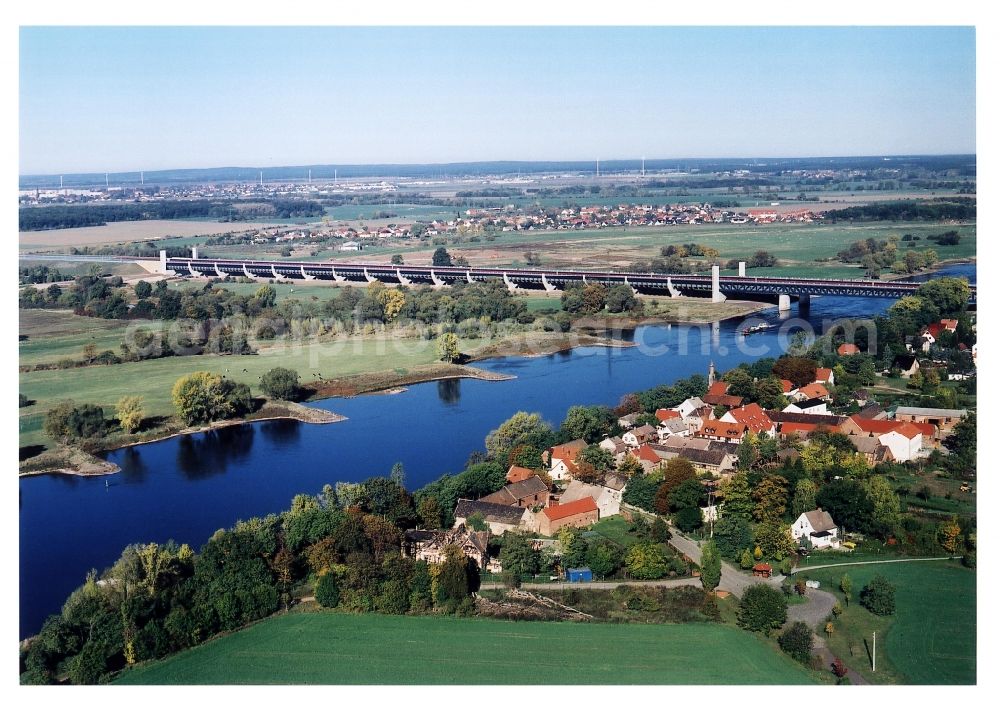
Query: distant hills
964	164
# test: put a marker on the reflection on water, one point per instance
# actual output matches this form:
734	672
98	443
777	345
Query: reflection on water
134	469
211	453
282	433
449	391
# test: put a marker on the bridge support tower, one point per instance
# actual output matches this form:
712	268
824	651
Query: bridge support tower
717	295
805	301
742	269
784	302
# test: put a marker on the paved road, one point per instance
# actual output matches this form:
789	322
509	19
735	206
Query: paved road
813	612
733	580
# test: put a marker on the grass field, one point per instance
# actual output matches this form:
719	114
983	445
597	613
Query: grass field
931	639
797	246
105	384
330	648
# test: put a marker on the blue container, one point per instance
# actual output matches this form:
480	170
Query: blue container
579	575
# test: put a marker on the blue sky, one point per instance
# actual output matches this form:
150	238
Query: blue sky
118	99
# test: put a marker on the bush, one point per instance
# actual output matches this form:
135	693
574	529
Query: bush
68	422
796	641
688	519
762	608
327	593
879	596
645	561
280	383
205	397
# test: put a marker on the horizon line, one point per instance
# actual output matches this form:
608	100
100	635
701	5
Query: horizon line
513	161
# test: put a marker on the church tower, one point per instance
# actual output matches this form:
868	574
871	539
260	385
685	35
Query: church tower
711	373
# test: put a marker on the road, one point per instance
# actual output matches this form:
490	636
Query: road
870	562
814	612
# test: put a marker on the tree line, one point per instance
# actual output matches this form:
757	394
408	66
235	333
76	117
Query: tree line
51	217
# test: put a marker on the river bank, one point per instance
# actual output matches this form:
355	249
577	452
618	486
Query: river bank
67	459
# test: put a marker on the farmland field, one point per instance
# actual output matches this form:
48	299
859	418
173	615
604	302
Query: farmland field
802	249
931	639
130	231
330	648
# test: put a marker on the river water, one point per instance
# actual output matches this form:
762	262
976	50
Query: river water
187	487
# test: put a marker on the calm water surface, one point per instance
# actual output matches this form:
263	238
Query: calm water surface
186	488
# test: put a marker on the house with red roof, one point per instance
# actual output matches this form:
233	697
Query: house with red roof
753	417
579	513
787	387
904	442
562	459
812	391
663	414
903	439
648	458
824	375
846	349
516	474
718	395
719	431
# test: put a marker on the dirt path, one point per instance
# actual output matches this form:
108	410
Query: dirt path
870	562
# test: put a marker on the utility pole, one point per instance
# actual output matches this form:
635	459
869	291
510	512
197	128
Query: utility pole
873	650
598	167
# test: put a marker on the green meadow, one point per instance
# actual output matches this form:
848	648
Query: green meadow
331	648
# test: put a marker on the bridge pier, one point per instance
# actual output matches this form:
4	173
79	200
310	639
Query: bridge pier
163	261
402	279
674	291
369	278
337	277
804	302
307	277
468	277
742	269
246	272
784	302
194	272
274	272
218	272
549	286
438	281
194	253
717	295
511	286
635	292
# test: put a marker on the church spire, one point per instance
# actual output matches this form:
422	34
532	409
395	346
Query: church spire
711	373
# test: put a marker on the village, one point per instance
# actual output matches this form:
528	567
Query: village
709	433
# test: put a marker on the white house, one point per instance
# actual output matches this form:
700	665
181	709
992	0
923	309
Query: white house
608	500
689	406
818	528
616	447
673	428
808	407
639	436
904	442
